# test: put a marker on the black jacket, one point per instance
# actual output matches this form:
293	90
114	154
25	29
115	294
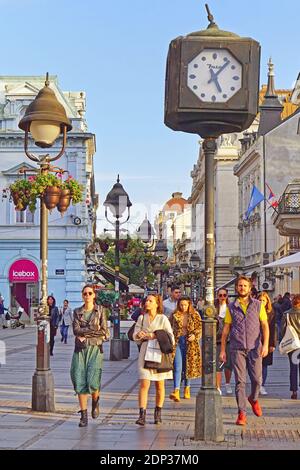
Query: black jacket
164	340
294	317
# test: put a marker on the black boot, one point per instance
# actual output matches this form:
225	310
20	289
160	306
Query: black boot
84	419
95	408
142	417
157	415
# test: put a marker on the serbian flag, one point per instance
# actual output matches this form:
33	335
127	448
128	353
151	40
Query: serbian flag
272	198
256	198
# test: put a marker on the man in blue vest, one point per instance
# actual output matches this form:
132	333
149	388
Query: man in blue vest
245	320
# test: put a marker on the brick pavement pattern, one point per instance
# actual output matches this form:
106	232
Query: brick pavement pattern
20	428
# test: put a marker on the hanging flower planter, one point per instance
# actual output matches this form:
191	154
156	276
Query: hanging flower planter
20	192
52	196
64	200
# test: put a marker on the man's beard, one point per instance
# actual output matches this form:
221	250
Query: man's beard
244	295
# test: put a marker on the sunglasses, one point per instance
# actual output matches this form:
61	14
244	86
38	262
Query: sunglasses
222	295
88	293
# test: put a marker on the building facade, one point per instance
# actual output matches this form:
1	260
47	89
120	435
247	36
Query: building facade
269	160
69	233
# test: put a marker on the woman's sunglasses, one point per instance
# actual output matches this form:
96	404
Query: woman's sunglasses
88	293
222	295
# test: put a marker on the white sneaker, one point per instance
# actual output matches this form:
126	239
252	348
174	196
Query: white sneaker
263	391
228	389
220	391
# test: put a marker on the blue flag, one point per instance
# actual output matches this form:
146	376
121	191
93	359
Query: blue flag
256	198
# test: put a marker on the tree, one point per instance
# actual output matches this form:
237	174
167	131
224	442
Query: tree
132	262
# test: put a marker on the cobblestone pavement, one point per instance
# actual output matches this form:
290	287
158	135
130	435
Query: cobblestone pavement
115	429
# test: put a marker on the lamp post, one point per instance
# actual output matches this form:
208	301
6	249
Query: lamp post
212	88
146	234
195	265
117	200
45	119
161	251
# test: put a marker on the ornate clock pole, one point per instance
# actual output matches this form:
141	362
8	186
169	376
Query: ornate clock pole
212	86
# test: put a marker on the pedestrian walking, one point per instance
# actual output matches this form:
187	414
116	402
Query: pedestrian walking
294	320
244	320
278	314
187	328
2	313
221	307
146	329
66	319
170	304
54	320
268	360
90	331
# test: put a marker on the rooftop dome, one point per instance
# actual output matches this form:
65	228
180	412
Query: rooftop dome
175	204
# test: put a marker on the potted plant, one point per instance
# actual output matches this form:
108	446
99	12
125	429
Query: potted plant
22	194
75	189
48	186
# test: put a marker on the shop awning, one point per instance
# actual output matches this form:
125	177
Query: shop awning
291	261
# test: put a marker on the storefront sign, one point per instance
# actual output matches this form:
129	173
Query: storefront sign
60	272
23	270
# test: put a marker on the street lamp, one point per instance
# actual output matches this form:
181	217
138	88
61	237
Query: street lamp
117	200
212	88
146	234
45	119
195	265
161	251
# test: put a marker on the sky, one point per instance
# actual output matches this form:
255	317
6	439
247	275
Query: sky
115	51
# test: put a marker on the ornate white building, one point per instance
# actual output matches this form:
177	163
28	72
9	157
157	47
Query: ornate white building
19	231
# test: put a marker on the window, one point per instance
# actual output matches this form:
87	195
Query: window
24	217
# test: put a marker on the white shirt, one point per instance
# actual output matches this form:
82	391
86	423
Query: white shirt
169	306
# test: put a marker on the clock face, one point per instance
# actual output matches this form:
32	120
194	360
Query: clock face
214	75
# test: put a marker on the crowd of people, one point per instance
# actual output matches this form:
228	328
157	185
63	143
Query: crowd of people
168	334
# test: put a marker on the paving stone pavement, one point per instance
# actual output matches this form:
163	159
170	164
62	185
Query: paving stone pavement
115	429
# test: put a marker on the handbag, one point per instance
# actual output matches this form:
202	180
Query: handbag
131	330
79	345
153	352
290	342
165	366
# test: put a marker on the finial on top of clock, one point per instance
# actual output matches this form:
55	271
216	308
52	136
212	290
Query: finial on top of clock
210	18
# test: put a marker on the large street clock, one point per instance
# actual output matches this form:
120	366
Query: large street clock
212	82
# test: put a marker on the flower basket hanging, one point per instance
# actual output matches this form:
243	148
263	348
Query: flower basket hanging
52	196
21	194
64	200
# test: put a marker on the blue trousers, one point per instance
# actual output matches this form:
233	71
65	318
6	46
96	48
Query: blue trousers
64	331
180	363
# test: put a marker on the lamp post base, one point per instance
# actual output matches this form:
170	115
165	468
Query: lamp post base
208	419
116	352
43	391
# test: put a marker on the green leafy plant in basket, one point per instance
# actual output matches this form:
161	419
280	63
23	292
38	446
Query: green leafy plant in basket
75	188
22	194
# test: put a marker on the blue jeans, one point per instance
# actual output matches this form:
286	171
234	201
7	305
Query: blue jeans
264	374
180	363
64	331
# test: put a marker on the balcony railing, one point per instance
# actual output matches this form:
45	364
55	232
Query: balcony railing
289	203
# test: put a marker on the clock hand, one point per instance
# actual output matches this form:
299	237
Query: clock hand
222	68
214	78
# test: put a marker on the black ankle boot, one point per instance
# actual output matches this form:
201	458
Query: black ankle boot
95	408
84	419
142	417
157	415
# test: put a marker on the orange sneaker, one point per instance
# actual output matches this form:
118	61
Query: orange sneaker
255	407
241	419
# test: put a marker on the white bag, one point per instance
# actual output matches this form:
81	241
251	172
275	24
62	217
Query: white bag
153	352
290	342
